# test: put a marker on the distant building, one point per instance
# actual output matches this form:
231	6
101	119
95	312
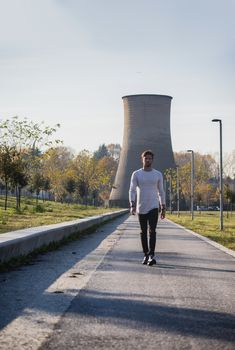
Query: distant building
146	126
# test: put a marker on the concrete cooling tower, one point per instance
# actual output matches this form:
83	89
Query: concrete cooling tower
146	126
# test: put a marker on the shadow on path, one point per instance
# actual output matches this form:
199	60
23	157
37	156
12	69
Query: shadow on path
25	286
108	309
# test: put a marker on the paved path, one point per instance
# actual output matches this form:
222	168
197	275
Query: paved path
95	294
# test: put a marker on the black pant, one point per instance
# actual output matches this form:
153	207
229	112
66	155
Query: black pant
150	219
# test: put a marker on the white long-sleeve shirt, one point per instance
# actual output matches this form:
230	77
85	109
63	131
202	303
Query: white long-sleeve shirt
147	186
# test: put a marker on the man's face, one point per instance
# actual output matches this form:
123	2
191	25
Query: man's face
147	161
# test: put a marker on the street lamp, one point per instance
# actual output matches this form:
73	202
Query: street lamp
192	181
221	175
170	191
178	192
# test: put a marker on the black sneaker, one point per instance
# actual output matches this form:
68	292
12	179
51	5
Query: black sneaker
151	261
145	260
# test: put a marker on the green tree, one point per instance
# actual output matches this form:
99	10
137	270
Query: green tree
19	177
171	182
228	195
90	177
85	172
37	184
56	163
101	152
6	167
204	178
19	142
69	184
107	169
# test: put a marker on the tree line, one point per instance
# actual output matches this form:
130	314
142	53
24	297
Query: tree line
33	161
206	181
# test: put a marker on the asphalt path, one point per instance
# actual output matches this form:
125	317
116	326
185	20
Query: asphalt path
94	293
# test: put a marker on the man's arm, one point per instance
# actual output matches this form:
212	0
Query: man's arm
162	198
163	211
132	194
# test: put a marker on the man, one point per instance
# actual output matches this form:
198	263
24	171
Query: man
145	194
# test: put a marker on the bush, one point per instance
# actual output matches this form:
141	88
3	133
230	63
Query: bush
11	211
3	217
49	209
17	211
39	209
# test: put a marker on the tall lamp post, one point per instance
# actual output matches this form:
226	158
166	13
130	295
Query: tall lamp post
221	175
192	181
178	192
170	191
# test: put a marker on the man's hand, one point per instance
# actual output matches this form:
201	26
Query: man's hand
163	212
133	208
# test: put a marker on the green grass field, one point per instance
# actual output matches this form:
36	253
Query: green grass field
208	225
44	213
48	212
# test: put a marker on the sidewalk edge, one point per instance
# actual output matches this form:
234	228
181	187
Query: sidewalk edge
206	239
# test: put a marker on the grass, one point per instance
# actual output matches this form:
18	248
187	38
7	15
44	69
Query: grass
208	224
45	213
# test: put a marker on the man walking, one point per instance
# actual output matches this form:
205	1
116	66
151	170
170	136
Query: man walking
145	194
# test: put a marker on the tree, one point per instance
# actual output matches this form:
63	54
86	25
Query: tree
205	177
69	184
107	168
229	164
204	193
19	142
90	177
55	165
86	178
46	187
171	180
19	176
6	167
26	134
228	195
101	152
13	171
114	150
37	184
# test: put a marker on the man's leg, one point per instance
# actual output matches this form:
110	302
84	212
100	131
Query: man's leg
152	219
143	234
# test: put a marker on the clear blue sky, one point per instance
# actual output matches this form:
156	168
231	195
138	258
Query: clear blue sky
71	61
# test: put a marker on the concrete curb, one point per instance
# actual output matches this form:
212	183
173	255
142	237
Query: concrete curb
206	239
22	242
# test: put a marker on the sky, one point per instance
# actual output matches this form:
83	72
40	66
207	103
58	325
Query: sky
71	61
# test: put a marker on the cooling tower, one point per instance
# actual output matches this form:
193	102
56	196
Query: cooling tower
146	126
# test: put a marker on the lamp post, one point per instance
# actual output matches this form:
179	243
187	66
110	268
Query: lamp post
192	181
165	189
170	191
221	175
178	192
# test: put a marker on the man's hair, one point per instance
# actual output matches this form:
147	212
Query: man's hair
147	153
